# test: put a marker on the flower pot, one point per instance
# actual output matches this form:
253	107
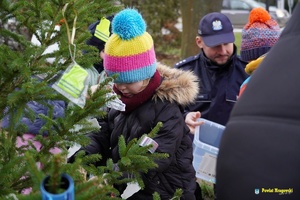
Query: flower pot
67	184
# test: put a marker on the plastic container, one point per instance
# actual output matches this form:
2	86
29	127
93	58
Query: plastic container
205	149
67	184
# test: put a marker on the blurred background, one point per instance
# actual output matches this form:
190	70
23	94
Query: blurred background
173	23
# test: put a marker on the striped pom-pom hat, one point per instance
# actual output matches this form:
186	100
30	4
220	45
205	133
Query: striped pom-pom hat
129	52
259	34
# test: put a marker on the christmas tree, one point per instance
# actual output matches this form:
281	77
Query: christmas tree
26	70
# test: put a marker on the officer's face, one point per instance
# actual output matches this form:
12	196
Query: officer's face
218	54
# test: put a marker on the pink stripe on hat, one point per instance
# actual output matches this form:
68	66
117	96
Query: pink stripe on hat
128	63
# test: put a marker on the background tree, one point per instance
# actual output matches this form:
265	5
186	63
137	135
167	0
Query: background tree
191	12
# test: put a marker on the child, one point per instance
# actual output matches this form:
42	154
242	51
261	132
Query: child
250	68
152	93
100	31
258	36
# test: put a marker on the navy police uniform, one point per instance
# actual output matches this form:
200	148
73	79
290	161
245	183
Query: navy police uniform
219	85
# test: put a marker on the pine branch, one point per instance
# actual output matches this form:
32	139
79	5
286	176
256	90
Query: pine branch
136	159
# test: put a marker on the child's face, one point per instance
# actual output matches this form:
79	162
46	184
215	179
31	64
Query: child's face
130	89
101	54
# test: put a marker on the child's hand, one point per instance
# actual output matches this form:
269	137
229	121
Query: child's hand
191	121
94	88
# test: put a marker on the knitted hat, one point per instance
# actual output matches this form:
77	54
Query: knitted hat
259	34
129	52
100	31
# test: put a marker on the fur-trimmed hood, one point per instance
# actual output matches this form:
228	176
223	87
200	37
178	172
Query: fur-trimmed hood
177	85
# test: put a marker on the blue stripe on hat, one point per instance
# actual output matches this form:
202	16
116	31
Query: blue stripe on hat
134	75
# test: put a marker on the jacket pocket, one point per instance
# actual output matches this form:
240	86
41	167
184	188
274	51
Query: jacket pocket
231	97
204	97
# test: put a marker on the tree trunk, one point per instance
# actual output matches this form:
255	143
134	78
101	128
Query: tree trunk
192	11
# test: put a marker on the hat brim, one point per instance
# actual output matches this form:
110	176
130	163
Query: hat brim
215	40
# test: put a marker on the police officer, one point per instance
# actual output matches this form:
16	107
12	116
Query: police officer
219	68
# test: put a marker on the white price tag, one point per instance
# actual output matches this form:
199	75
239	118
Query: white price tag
131	188
207	167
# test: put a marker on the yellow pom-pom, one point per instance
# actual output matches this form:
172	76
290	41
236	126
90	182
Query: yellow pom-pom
259	15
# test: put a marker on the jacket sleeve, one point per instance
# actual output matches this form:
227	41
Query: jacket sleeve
99	143
173	138
35	125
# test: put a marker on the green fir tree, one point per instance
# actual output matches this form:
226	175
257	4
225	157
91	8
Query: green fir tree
20	62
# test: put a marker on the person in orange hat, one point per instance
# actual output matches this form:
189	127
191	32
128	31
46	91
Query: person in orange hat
258	36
